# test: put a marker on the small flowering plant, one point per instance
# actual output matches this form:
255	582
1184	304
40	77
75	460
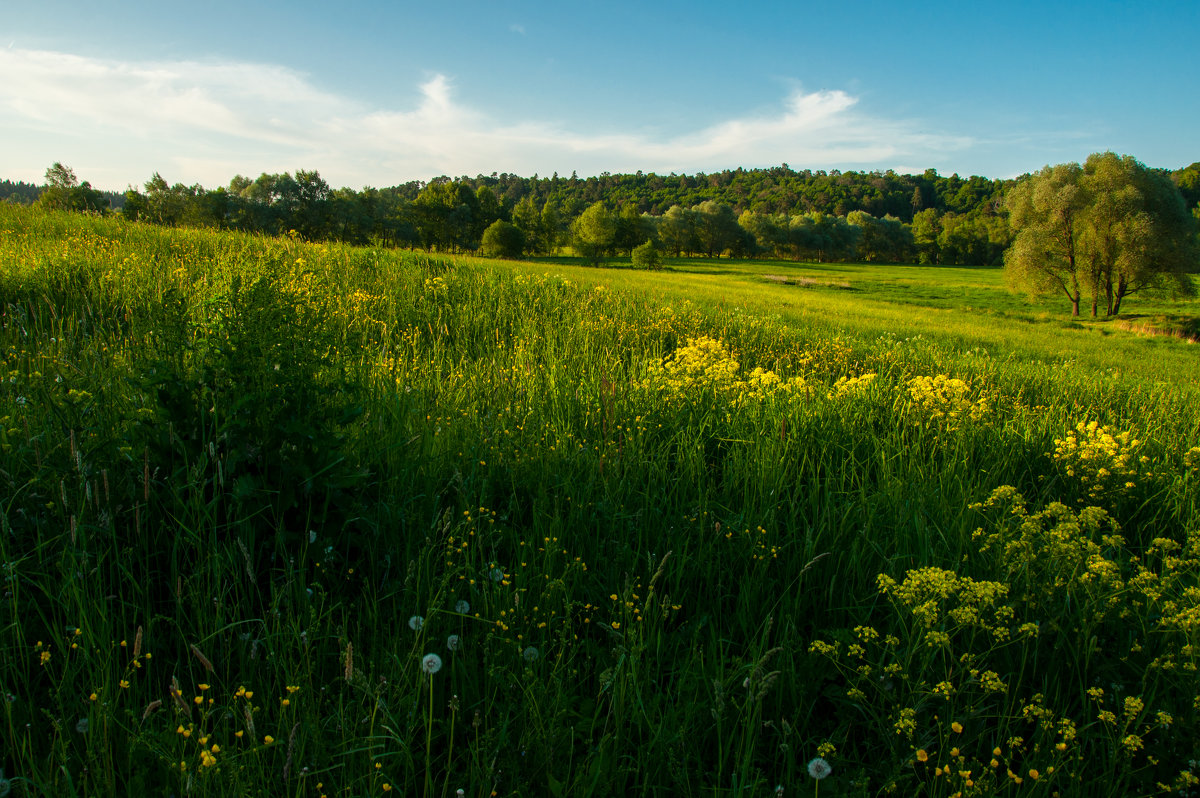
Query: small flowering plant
705	365
942	400
1104	463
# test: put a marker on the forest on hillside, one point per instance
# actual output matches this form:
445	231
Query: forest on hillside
777	212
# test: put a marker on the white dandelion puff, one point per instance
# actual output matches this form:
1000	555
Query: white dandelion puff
432	663
497	574
452	642
530	654
818	768
462	607
416	622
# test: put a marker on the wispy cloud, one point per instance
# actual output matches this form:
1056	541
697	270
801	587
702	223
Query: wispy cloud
517	27
198	121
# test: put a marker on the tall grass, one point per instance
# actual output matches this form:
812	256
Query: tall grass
660	547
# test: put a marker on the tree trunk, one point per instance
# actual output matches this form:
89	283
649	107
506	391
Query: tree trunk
1122	289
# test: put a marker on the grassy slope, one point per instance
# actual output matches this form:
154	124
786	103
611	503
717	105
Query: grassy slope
274	454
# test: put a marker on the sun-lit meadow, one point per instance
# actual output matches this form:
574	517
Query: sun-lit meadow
290	519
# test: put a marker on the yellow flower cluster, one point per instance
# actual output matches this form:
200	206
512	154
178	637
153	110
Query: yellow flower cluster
851	385
1191	459
1075	564
703	362
934	595
1105	463
706	364
1060	556
943	398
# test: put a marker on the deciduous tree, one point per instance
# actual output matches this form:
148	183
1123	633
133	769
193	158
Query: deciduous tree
63	191
594	232
677	230
1044	211
1112	227
1137	231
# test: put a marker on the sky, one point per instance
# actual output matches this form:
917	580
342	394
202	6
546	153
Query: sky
381	93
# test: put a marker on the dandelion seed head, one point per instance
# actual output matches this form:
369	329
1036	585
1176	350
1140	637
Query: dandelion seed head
416	622
452	642
431	663
818	768
462	607
530	654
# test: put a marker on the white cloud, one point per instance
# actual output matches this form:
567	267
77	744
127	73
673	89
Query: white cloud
197	121
517	27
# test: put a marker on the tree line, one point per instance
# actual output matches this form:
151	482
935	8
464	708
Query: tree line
777	212
773	212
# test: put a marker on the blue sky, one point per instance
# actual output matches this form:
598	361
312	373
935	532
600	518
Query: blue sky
379	93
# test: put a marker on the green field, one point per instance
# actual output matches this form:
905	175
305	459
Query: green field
961	307
668	533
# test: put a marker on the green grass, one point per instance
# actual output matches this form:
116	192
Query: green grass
961	308
709	526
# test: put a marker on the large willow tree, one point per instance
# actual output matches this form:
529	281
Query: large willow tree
1111	228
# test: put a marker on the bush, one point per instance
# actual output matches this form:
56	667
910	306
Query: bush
647	257
502	240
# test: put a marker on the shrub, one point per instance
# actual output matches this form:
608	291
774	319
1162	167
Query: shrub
647	257
502	240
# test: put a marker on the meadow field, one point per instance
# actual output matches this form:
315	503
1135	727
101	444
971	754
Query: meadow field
280	518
